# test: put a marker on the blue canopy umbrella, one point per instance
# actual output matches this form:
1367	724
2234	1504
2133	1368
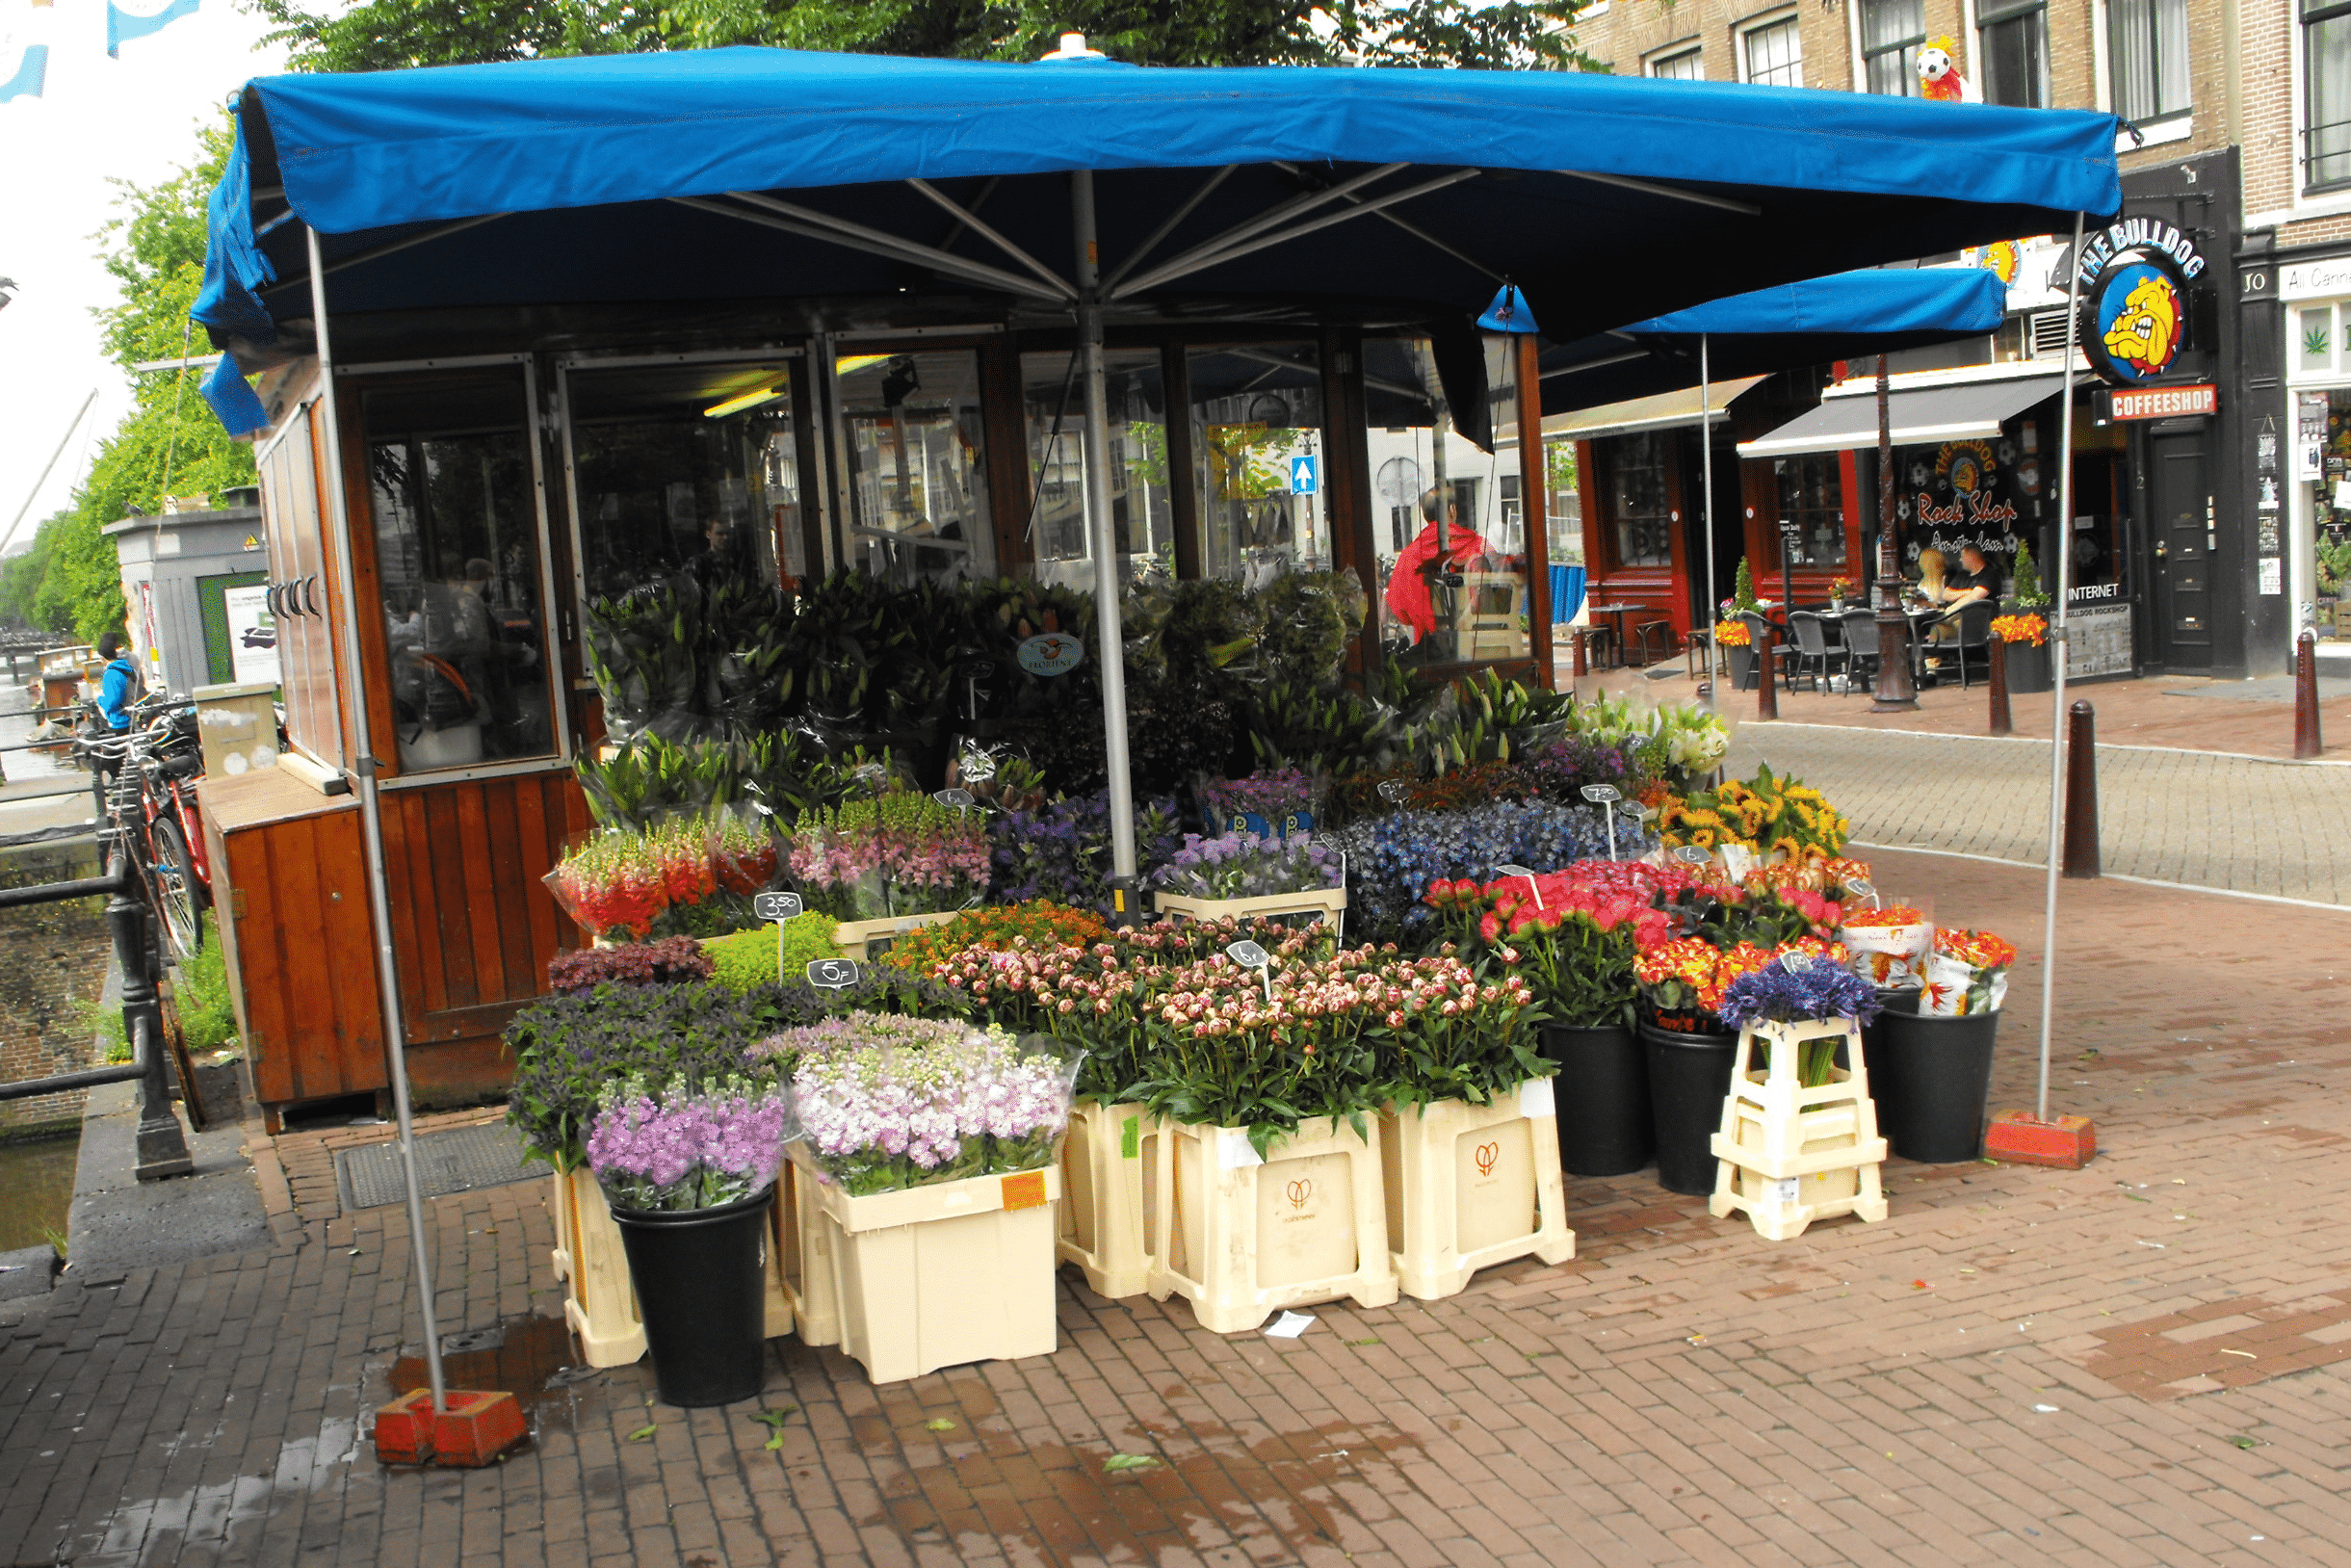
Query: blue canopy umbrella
1814	322
758	174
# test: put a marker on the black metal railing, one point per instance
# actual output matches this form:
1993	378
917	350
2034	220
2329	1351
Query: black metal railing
2326	156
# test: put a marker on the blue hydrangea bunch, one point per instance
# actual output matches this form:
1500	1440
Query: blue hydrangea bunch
1391	860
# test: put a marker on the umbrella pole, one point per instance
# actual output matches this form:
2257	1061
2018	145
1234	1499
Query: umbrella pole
371	836
2064	553
1706	466
1107	585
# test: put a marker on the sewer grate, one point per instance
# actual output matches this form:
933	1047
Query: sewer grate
458	1160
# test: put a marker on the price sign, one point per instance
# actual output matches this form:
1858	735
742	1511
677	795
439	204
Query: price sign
1690	855
1533	885
1250	956
1796	963
1865	889
832	974
1601	794
1392	790
777	905
961	799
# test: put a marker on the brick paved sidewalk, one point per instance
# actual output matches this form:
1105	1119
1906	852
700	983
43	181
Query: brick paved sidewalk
2136	1363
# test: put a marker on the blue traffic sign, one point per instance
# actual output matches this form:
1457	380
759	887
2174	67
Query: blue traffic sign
1304	478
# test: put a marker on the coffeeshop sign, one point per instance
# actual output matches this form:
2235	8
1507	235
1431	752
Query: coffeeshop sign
2134	276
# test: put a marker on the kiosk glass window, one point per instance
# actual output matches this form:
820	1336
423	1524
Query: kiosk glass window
1811	497
457	555
1142	514
917	458
1258	460
674	463
1638	498
1448	531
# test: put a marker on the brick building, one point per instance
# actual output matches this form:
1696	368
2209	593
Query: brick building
2219	529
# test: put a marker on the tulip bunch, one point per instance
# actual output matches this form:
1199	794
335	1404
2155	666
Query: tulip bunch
1573	934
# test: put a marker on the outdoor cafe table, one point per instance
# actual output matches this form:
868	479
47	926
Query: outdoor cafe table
1616	613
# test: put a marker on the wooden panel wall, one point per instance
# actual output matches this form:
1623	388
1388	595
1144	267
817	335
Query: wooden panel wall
472	922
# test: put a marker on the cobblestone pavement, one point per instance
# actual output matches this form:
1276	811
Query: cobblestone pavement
2197	818
2139	1362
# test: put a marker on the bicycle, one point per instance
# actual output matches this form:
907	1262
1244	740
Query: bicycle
146	779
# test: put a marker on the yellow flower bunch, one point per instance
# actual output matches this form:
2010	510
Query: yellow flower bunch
1732	633
1766	813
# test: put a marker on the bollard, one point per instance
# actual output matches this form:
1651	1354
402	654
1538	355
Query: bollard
1576	667
162	1143
2307	742
1766	685
2082	793
1997	653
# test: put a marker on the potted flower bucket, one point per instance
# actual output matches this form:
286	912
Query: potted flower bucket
1689	1072
934	1276
1742	666
1472	1186
1241	1236
1790	1153
2029	668
601	1305
1102	1186
1933	1080
1602	1092
701	1277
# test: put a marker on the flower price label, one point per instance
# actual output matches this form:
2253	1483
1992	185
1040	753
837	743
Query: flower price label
959	799
1601	794
1690	855
832	974
1392	790
1250	956
1864	890
1522	871
777	905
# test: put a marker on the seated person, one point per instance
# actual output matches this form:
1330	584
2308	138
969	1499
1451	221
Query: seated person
1974	580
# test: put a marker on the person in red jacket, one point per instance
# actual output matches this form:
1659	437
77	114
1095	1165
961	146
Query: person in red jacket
1426	560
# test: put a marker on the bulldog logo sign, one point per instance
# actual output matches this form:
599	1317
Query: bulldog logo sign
2134	299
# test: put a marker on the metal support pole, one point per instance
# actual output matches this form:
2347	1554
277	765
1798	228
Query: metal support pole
1896	691
162	1144
1706	466
371	829
1107	583
2058	663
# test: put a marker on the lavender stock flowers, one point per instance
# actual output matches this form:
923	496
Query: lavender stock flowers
674	1146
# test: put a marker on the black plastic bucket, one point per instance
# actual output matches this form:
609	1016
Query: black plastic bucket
1602	1094
700	1276
1689	1076
1931	1079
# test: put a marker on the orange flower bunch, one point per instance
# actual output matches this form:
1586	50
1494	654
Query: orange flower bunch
2026	628
1732	633
1894	914
996	928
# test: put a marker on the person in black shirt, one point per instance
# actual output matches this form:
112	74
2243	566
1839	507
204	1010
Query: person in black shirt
1975	579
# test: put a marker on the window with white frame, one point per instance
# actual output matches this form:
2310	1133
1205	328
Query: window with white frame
1687	66
2148	40
2012	48
1773	53
2326	108
1891	33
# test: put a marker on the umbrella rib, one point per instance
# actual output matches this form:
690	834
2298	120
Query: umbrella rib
1194	263
1295	207
1168	227
1425	237
854	237
1671	192
1264	357
986	231
1595	364
372	252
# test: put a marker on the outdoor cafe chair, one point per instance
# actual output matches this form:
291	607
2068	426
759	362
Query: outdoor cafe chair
1783	656
1814	655
1974	621
1860	642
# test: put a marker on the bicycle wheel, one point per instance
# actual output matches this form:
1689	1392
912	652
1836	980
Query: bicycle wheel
175	890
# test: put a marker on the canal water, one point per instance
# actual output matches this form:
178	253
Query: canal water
36	1189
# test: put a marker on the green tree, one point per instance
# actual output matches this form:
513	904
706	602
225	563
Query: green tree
69	581
384	35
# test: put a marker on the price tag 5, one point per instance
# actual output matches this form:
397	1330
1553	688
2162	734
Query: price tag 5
832	974
1690	855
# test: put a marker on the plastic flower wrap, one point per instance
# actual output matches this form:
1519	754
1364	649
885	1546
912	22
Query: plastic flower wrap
884	1104
1277	799
1244	866
675	1145
1967	974
1888	946
895	853
743	853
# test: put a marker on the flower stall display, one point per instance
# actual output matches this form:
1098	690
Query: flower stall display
1798	1137
1062	850
670	961
1392	860
1277	803
928	1148
1888	945
1771	817
1683	983
688	1168
617	885
1934	1048
895	853
1241	873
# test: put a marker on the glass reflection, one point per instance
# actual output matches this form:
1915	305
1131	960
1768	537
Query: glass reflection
917	464
1258	460
1143	513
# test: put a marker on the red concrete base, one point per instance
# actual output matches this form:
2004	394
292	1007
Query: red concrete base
2070	1142
471	1430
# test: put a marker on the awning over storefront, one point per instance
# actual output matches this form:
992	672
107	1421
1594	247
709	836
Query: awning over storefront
1636	415
1938	414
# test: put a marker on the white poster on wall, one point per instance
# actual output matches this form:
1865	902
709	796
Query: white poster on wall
252	635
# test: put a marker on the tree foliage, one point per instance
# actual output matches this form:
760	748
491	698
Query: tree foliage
69	581
388	35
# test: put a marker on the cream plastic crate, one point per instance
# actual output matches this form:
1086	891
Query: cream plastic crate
1469	1187
601	1305
936	1276
1102	1195
804	1255
1327	904
1791	1155
1242	1238
855	938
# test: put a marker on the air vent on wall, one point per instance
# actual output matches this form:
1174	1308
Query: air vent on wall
2048	328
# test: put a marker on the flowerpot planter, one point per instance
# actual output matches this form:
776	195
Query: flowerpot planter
1242	1236
601	1304
1742	667
1933	1080
700	1276
1102	1194
1790	1154
1472	1186
1327	904
935	1276
2029	668
1688	1075
1602	1092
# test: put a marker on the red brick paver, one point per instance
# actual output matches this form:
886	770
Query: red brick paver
2017	1365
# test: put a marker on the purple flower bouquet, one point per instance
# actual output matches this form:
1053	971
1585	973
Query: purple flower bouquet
889	1102
901	853
1244	866
1271	795
679	1146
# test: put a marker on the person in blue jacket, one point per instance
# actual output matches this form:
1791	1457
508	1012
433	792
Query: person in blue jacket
120	685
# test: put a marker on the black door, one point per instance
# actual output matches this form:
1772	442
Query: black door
2180	499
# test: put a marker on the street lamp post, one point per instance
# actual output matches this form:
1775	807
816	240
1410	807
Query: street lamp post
1896	691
